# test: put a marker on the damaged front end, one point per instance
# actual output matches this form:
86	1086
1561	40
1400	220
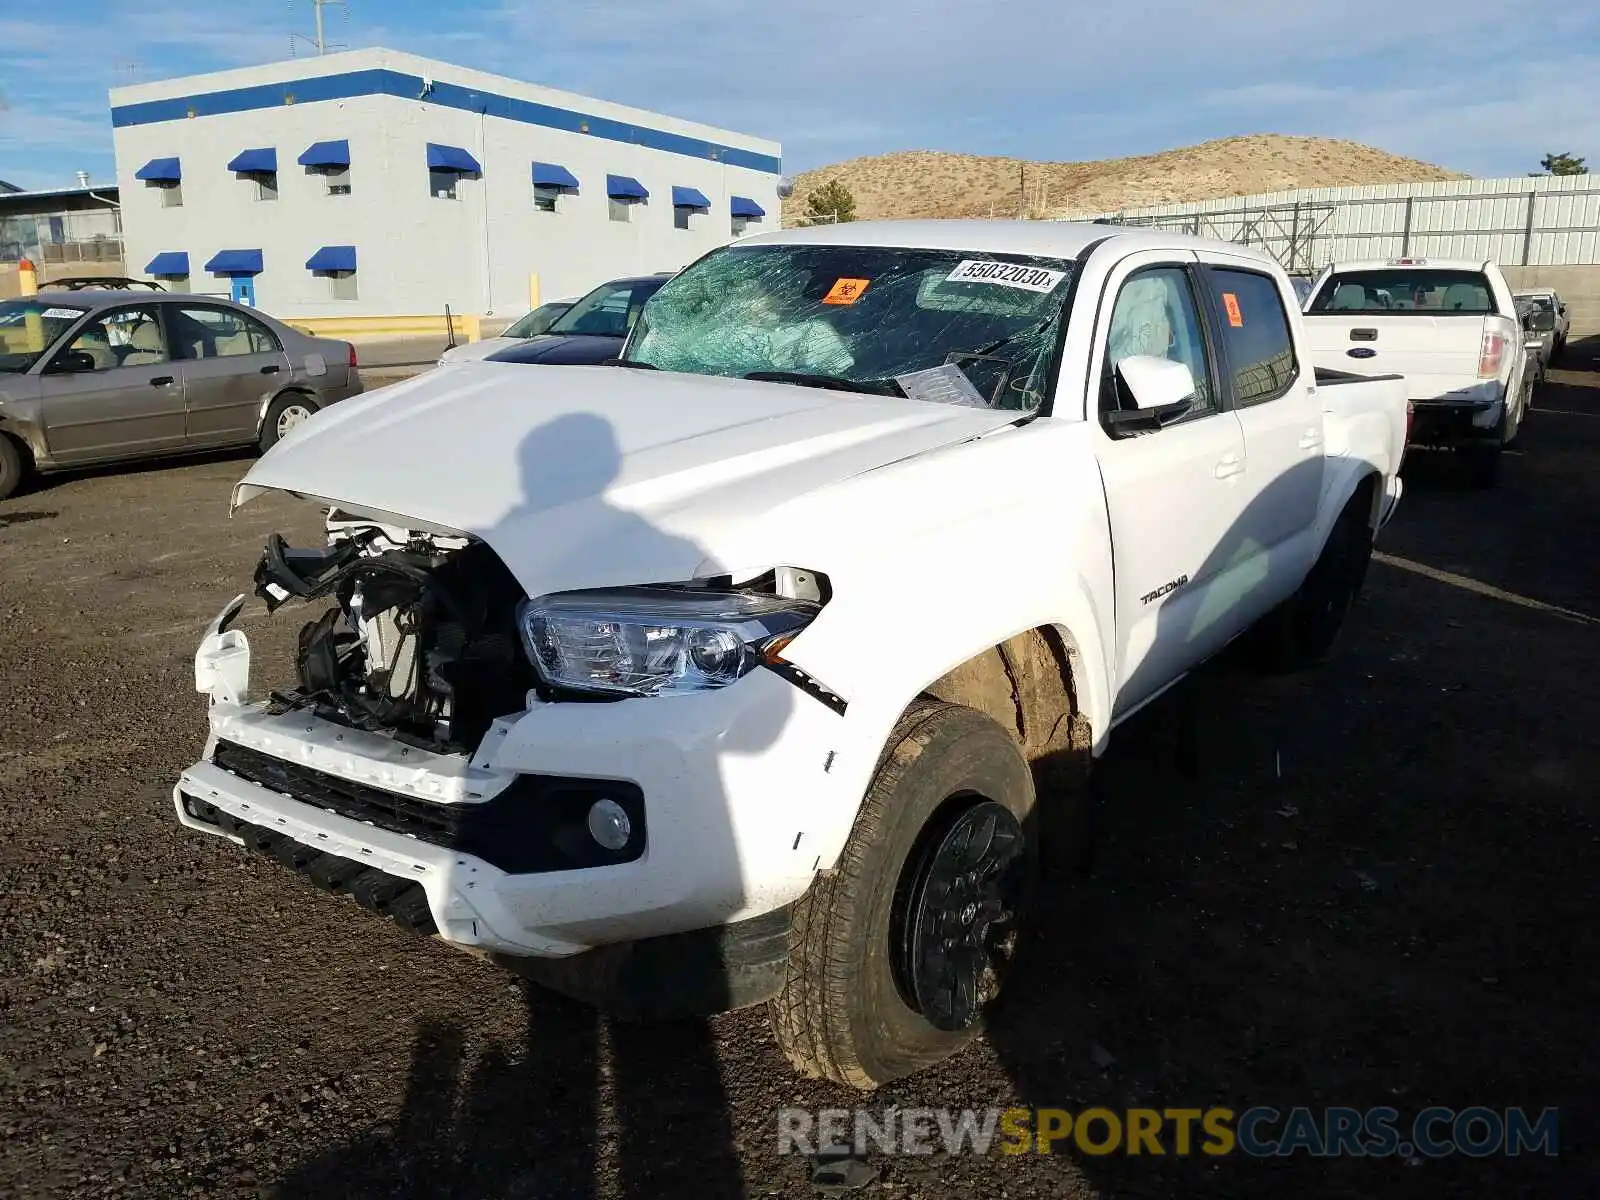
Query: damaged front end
420	643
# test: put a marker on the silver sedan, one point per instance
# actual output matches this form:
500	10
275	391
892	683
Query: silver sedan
95	377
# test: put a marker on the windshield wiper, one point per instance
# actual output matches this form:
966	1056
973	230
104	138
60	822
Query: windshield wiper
1005	341
634	363
836	383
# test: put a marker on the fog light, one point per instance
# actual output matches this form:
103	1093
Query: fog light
609	824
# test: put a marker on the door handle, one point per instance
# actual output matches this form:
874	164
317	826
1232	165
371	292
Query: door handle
161	381
1228	465
270	370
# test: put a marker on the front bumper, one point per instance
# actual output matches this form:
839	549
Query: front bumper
734	785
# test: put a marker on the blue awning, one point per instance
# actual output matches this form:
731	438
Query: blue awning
255	162
326	154
235	262
625	187
451	158
550	175
333	258
169	263
743	206
160	170
683	197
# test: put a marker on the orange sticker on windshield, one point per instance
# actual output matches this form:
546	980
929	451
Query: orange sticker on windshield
1231	303
846	291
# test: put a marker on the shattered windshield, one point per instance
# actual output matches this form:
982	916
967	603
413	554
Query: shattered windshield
941	325
30	327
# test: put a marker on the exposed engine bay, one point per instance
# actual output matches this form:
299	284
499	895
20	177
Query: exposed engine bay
422	640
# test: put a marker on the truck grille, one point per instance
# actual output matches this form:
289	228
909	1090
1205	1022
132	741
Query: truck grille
538	824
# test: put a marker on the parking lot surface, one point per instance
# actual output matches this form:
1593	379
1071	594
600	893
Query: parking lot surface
1378	889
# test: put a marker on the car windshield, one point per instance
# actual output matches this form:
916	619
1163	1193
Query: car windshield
30	327
933	324
608	311
536	322
1442	292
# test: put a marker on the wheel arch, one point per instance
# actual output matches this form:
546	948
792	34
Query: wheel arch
271	398
1344	483
29	438
1044	684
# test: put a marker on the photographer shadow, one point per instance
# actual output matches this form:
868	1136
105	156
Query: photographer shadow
583	1103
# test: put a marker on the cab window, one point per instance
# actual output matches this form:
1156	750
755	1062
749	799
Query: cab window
1156	315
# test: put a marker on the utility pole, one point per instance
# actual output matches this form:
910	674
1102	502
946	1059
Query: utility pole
1022	190
320	41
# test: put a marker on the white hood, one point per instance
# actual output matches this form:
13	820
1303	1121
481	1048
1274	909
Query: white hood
597	476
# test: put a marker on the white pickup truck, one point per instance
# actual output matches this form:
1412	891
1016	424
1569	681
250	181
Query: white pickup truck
750	668
1451	328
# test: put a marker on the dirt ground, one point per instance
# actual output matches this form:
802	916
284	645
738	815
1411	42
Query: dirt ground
1377	891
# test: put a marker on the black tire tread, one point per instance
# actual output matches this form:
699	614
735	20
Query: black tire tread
13	466
810	1016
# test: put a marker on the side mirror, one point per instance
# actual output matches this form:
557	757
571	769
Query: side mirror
1161	391
72	362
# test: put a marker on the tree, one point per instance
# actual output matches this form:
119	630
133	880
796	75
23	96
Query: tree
830	202
1561	164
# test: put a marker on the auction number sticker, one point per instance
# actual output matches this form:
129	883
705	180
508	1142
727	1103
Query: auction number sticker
846	291
64	314
1012	275
1231	303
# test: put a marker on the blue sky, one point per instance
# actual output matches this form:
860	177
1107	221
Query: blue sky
1475	85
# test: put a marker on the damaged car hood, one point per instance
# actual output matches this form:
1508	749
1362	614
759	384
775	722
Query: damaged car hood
589	477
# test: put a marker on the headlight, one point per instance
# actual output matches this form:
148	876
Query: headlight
655	641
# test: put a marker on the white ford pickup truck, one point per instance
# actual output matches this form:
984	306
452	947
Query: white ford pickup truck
757	666
1451	328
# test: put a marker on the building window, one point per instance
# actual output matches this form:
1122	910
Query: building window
544	198
266	185
172	195
338	181
442	184
342	285
739	225
621	210
175	283
680	217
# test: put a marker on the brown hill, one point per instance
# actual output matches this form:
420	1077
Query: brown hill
932	183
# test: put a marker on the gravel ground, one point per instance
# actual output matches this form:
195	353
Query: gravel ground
1377	890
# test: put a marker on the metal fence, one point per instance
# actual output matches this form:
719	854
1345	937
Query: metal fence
1527	221
79	235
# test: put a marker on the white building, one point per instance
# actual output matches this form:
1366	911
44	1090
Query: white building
379	183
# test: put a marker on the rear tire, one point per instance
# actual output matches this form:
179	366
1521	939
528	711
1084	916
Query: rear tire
1302	631
283	414
13	466
896	953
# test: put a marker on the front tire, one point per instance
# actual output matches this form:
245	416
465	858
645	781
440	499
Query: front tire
896	954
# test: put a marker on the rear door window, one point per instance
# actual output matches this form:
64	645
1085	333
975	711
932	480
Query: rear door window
1255	334
1381	292
205	332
